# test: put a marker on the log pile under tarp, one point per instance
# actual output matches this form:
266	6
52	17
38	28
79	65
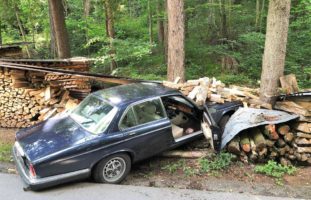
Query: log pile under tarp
287	143
28	97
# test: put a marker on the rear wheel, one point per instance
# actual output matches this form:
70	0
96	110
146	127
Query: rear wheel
112	169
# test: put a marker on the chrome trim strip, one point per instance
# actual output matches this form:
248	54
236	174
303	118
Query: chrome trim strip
39	181
188	136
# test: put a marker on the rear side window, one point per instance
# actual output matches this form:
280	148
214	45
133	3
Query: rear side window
149	111
128	120
142	113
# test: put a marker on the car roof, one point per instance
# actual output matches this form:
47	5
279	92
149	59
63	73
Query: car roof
129	93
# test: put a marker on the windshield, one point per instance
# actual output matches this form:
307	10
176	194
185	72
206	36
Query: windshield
94	114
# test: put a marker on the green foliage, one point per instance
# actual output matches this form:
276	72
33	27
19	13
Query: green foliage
5	152
180	165
173	167
205	44
275	170
219	162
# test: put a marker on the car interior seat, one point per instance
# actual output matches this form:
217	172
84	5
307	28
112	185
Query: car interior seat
148	113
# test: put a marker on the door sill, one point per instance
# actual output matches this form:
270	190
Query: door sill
188	136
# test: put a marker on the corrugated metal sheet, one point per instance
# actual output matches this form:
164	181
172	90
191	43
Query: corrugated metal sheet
245	118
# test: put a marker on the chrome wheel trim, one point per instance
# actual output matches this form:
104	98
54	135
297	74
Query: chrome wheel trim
114	169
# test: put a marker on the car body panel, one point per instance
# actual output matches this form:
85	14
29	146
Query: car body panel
61	146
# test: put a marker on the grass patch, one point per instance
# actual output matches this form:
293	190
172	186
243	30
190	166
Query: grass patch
275	170
180	165
219	162
5	152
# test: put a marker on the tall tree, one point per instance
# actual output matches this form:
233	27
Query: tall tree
160	21
275	48
110	30
176	40
59	27
150	23
21	27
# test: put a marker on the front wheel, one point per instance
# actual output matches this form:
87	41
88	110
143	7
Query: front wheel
112	169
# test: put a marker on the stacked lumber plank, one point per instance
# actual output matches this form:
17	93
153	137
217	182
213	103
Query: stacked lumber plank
286	143
26	100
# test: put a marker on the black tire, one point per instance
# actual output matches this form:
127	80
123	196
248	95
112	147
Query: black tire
103	173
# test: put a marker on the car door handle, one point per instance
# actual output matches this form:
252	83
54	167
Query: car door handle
130	133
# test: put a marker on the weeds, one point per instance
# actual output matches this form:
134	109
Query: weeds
5	152
173	167
182	165
275	170
220	162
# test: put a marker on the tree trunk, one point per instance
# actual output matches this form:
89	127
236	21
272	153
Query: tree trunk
110	32
150	25
176	40
165	33
86	13
0	32
261	14
223	16
21	28
59	27
160	21
53	44
87	8
257	14
275	49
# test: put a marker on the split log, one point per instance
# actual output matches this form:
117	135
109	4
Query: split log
280	143
292	107
303	141
201	95
259	139
304	149
304	135
245	142
234	145
288	137
283	129
216	98
269	130
303	127
289	83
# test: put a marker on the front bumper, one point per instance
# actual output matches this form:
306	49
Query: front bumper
38	183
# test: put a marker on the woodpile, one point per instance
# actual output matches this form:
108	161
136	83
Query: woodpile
286	143
28	97
212	90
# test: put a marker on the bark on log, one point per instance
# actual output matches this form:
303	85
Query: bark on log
234	146
245	142
259	139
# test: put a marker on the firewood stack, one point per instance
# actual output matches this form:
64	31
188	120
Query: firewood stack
286	143
25	99
212	90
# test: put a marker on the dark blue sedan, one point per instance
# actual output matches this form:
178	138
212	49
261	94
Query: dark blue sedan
110	130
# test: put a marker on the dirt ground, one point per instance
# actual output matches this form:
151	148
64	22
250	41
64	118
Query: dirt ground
239	177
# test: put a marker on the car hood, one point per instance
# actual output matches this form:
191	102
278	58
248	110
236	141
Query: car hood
50	137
